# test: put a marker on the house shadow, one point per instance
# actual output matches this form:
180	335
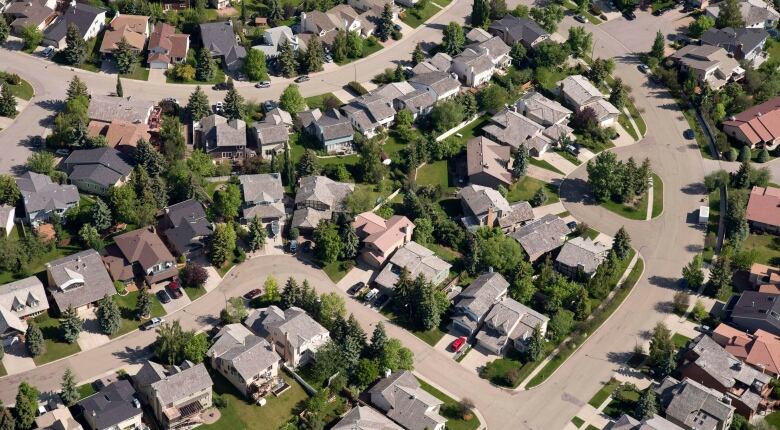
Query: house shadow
576	190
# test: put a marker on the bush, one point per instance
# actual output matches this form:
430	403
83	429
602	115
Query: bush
356	87
220	402
732	154
595	9
763	156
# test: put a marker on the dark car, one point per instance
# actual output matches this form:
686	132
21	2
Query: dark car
222	86
302	78
163	296
629	14
252	294
396	27
381	300
174	289
572	225
581	18
689	134
356	288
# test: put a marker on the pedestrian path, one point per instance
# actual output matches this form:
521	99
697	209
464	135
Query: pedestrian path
649	214
631	120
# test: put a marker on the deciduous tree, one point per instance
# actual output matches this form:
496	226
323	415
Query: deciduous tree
291	100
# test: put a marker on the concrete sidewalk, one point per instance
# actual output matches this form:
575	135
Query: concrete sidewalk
559	162
543	174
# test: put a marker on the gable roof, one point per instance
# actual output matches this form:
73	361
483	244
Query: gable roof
760	349
111	109
333	125
265	187
579	89
482	293
754	12
79	279
218	131
324	190
512	128
80	14
764	206
247	353
220	39
28	13
104	166
723	366
760	123
520	29
383	234
488	157
40	193
111	405
133	28
440	82
296	325
541	235
188	223
417	259
736	41
143	246
693	404
480	199
171	44
410	405
585	253
541	109
365	418
119	133
19	299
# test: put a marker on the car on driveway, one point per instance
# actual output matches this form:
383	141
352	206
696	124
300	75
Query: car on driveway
252	294
174	289
458	344
629	14
396	27
302	78
572	225
152	323
644	68
163	296
356	288
62	152
581	18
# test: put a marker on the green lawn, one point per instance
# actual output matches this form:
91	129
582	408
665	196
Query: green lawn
369	47
337	269
56	347
549	78
766	247
139	73
443	252
693	123
435	173
592	427
194	292
431	337
603	393
319	101
577	421
219	76
85	390
637	212
451	410
680	340
773	419
640	122
525	189
623	120
127	306
573	7
23	90
471	130
625	402
239	414
658	195
572	159
37	265
544	164
414	17
3	372
504	371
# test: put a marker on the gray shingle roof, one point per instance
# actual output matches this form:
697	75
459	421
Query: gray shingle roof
19	299
417	259
248	354
39	193
81	15
217	131
79	279
111	405
583	253
418	100
512	128
188	223
182	384
220	40
485	156
694	404
295	323
735	41
579	89
541	109
266	187
365	418
758	307
130	109
334	125
754	12
725	368
410	405
520	212
441	82
483	292
104	166
518	29
479	199
541	235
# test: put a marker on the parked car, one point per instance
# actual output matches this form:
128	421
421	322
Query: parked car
396	27
573	150
644	68
293	246
581	18
174	289
222	86
689	134
328	58
219	108
263	84
48	51
275	228
356	288
269	105
381	300
572	225
152	323
458	344
629	14
252	294
163	296
302	78
62	152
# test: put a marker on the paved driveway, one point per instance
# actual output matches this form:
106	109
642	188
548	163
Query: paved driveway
91	337
16	359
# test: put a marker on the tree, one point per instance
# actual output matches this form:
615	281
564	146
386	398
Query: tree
119	91
33	340
700	25
257	234
90	237
480	13
539	198
315	55
291	100
418	56
331	307
148	158
729	15
548	17
291	294
602	174
255	65
193	275
763	156
198	104
227	202
498	9
7	102
71	325
274	10
125	57
719	284
271	290
350	241
659	45
600	69
680	302
371	167
582	305
169	345
518	54
173	145
143	305
288	64
223	243
205	69
744	154
493	98
622	243
234	105
354	44
68	391
26	406
195	347
327	241
235	311
366	372
75	48
307	165
446	115
108	316
453	39
379	340
646	408
520	165
579	41
535	348
385	25
40	162
661	352
618	96
100	215
31	36
4	31
693	273
6	418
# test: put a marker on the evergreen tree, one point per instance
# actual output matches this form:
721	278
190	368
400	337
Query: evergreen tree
125	57
6	418
693	273
289	170
307	165
398	76
7	102
582	305
518	54
354	44
143	305
108	316
659	44
741	178
223	243
453	39
340	46
198	105
287	61
535	348
205	69
520	165
385	25
418	56
148	158
68	391
719	284
33	340
172	137
75	48
498	9
234	105
5	30
77	89
351	243
315	55
729	15
328	241
71	325
257	234
274	10
539	198
619	94
26	406
100	215
119	91
622	243
661	352
290	294
480	13
646	408
378	341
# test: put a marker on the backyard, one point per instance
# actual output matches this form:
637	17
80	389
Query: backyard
525	189
765	246
435	173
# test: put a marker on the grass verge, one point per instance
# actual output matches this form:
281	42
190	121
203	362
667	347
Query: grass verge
658	195
451	410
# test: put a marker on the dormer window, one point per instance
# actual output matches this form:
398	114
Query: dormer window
17	305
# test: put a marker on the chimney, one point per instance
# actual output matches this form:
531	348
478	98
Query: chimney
491	217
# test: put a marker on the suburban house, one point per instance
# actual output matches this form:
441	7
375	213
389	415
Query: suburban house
757	125
656	422
401	397
418	102
341	17
331	128
542	235
512	29
381	237
22	14
511	128
186	228
96	170
417	260
113	407
758	310
542	110
482	206
133	28
477	63
56	417
88	20
440	62
581	94
509	324
690	404
273	38
78	280
263	195
219	4
763	209
248	361
295	335
761	350
220	137
519	214
318	198
120	135
167	47
20	300
176	394
581	256
221	41
440	85
756	13
43	198
761	274
487	163
743	43
140	254
474	303
365	418
711	65
7	213
711	365
271	135
370	114
107	110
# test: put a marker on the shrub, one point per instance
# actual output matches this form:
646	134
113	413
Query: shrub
220	402
356	87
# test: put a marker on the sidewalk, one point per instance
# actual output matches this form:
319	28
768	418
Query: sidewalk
649	214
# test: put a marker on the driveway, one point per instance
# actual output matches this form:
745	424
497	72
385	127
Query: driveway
16	359
91	337
175	304
559	162
543	174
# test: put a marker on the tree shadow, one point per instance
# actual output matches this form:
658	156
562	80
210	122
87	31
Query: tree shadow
664	282
694	189
664	307
619	357
138	355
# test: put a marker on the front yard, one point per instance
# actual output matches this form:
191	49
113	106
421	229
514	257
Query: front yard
55	345
22	90
127	306
451	410
525	189
414	17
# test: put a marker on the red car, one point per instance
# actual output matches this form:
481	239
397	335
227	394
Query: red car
174	289
252	294
458	344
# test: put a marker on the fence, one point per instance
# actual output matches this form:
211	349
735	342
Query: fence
309	389
455	129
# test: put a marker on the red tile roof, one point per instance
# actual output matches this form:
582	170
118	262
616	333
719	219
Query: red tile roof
764	206
761	123
761	350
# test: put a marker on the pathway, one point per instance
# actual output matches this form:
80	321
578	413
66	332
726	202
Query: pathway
633	123
649	214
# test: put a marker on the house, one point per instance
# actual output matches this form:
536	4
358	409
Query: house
487	163
509	324
542	235
22	14
417	260
166	47
120	135
763	209
340	17
262	194
657	422
88	20
365	418
761	350
401	397
581	94
756	13
440	85
7	213
331	128
273	38
712	366
219	4
745	44
96	170
761	274
177	394
43	198
56	417
113	407
186	228
381	237
440	62
757	310
133	28
78	280
482	206
757	125
108	110
542	110
512	29
475	302
477	63
370	114
514	130
519	214
140	254
581	256
20	300
249	362
318	198
221	41
419	102
220	137
711	65
692	405
271	135
295	335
